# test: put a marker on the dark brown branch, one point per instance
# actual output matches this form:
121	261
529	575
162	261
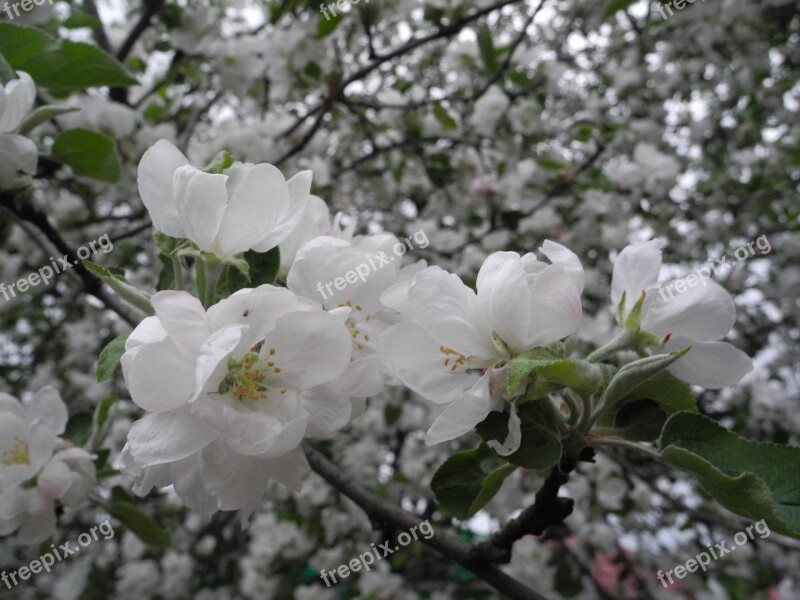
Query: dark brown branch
151	9
98	31
548	509
337	93
26	213
443	542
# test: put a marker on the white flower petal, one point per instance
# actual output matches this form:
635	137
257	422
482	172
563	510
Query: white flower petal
556	310
635	270
461	415
254	209
514	437
504	298
712	365
705	313
156	171
159	377
50	409
20	95
201	199
159	438
415	358
311	348
565	258
449	310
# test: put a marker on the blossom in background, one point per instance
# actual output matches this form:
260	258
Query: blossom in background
18	154
453	344
38	469
248	207
695	319
230	393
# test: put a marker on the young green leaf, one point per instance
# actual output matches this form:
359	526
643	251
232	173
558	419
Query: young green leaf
141	525
126	291
468	480
634	374
90	154
109	358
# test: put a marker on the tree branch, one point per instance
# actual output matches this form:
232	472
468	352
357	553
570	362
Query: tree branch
548	509
443	542
27	213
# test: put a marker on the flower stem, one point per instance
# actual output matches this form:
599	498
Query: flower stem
620	342
623	443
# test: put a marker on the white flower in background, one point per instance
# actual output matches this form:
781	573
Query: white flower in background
18	154
230	394
248	207
37	468
488	110
696	318
101	115
453	347
659	168
525	116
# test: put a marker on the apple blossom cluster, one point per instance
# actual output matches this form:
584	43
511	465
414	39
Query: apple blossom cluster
18	154
232	386
39	470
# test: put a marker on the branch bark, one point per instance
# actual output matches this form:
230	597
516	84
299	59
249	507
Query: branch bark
28	214
443	542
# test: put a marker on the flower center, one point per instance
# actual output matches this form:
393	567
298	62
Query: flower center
246	379
352	325
454	359
18	455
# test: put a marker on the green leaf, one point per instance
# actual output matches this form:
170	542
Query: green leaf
6	71
640	420
43	114
325	26
19	43
641	414
670	393
468	480
100	422
90	154
580	375
486	47
753	479
636	373
540	447
219	163
126	291
79	20
614	6
109	358
60	65
79	428
141	525
441	114
262	268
